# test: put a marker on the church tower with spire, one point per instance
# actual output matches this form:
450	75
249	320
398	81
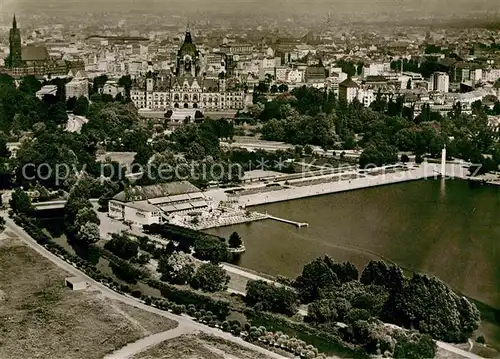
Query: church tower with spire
15	57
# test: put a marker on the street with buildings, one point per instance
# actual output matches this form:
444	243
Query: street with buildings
187	72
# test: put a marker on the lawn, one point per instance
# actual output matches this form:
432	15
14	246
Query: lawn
198	346
40	317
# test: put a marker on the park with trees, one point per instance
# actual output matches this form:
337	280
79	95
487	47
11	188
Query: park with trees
309	116
334	292
344	306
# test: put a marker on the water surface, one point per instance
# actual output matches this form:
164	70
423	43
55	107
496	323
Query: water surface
450	230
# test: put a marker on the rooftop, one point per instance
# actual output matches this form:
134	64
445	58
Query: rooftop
142	206
349	83
139	193
35	53
47	90
179	114
315	72
188	47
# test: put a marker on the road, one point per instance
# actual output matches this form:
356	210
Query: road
131	349
244	273
186	324
212	114
446	346
462	353
253	144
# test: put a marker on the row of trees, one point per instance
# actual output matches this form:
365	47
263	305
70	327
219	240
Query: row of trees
206	247
421	302
179	268
311	116
337	294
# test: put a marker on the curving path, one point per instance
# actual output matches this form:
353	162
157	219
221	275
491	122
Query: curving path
186	324
462	353
131	349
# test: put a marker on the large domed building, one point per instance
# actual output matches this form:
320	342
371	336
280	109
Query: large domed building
188	58
186	88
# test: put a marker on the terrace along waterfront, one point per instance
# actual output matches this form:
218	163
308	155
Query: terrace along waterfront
447	229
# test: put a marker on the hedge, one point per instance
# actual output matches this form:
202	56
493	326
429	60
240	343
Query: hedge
186	297
188	238
41	238
202	307
123	269
286	325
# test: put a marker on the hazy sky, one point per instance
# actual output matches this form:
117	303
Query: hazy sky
395	9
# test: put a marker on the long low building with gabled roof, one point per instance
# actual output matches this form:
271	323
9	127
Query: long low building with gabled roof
140	205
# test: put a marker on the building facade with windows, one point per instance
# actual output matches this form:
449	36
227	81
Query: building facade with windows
187	87
140	206
348	90
34	60
440	82
77	87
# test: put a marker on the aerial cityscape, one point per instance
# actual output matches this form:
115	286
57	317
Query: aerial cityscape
249	179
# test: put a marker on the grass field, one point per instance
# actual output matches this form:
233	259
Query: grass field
41	318
199	346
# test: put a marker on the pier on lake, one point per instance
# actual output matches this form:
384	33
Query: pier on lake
288	221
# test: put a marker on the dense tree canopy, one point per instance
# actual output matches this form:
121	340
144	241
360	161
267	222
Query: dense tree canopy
271	297
414	346
21	202
81	106
210	278
123	246
379	273
322	276
177	268
423	303
377	154
86	215
427	304
208	249
311	116
30	85
45	160
88	233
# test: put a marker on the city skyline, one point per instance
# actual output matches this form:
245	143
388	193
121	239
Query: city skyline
356	10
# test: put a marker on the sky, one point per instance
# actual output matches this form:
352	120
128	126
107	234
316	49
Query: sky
359	9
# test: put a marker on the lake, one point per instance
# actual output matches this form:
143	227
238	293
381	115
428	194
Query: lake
449	229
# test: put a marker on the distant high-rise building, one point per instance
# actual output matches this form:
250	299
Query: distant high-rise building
440	82
15	56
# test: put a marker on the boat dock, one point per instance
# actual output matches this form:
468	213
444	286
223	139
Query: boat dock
288	221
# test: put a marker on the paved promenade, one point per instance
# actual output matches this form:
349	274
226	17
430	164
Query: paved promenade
425	170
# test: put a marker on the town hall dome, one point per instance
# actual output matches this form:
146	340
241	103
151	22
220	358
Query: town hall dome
188	48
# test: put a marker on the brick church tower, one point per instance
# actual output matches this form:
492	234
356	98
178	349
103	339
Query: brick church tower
15	57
